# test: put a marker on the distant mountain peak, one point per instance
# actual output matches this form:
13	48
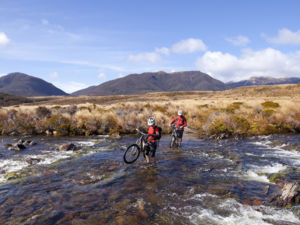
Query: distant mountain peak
263	80
25	85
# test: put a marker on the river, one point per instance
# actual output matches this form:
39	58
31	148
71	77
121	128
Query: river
205	182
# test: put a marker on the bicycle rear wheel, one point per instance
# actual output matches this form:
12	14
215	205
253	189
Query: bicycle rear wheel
173	142
131	154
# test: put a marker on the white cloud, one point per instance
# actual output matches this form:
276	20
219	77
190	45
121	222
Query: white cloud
189	46
163	50
45	22
151	57
4	40
70	87
285	36
240	40
54	74
101	76
267	62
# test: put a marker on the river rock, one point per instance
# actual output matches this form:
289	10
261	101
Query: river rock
288	195
47	218
67	147
33	161
15	147
26	142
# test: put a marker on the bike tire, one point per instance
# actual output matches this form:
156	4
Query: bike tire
131	154
173	142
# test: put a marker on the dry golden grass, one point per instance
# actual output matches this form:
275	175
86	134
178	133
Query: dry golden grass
240	111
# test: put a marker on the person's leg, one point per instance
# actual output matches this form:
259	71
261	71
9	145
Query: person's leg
147	159
180	137
147	150
153	150
179	142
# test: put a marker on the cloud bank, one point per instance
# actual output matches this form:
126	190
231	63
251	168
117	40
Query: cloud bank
285	36
189	46
267	62
4	40
240	40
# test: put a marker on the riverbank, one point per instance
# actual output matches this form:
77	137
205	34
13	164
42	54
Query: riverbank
245	111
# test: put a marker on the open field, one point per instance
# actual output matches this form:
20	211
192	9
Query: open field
241	111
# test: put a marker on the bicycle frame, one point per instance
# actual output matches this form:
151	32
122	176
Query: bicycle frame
140	141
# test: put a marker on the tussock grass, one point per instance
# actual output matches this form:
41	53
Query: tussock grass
236	112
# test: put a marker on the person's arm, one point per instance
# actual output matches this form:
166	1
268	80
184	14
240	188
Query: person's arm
173	121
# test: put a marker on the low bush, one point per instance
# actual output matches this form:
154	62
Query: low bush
270	104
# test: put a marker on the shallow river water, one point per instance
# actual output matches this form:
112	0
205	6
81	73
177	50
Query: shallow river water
205	182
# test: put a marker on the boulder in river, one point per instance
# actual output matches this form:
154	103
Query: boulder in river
15	147
289	194
67	147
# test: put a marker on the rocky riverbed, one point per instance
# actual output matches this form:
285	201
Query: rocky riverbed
206	182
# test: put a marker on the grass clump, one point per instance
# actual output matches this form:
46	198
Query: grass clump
270	104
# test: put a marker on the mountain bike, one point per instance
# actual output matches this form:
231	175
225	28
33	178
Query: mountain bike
173	142
133	151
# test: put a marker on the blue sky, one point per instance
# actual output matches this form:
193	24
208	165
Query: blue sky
76	44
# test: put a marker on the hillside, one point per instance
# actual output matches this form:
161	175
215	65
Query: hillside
24	85
155	82
7	100
263	81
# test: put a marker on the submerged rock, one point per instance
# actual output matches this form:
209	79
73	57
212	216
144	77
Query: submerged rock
288	195
67	147
20	145
33	161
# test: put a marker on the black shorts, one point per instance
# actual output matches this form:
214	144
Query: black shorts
150	147
179	133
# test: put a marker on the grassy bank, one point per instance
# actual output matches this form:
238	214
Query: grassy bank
238	112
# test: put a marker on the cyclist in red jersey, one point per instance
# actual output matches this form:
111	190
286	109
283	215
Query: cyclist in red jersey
180	123
151	141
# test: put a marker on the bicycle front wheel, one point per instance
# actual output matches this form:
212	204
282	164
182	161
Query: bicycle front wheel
131	154
173	142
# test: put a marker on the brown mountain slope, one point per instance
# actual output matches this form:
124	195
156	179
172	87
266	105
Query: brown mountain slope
155	82
25	85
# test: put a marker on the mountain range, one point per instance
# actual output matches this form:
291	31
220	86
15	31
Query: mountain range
263	81
155	82
25	85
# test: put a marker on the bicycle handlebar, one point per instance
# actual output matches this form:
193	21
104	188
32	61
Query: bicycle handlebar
140	131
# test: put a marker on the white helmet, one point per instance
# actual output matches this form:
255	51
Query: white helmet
151	121
180	112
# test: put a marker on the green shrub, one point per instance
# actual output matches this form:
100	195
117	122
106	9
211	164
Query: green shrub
159	109
232	107
43	112
270	104
54	121
242	125
219	127
63	129
268	112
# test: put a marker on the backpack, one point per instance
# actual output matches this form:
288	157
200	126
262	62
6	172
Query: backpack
159	132
183	119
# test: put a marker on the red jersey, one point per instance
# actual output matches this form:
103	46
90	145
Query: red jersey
180	122
152	130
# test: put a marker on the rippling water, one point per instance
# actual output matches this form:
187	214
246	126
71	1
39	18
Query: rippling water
205	182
